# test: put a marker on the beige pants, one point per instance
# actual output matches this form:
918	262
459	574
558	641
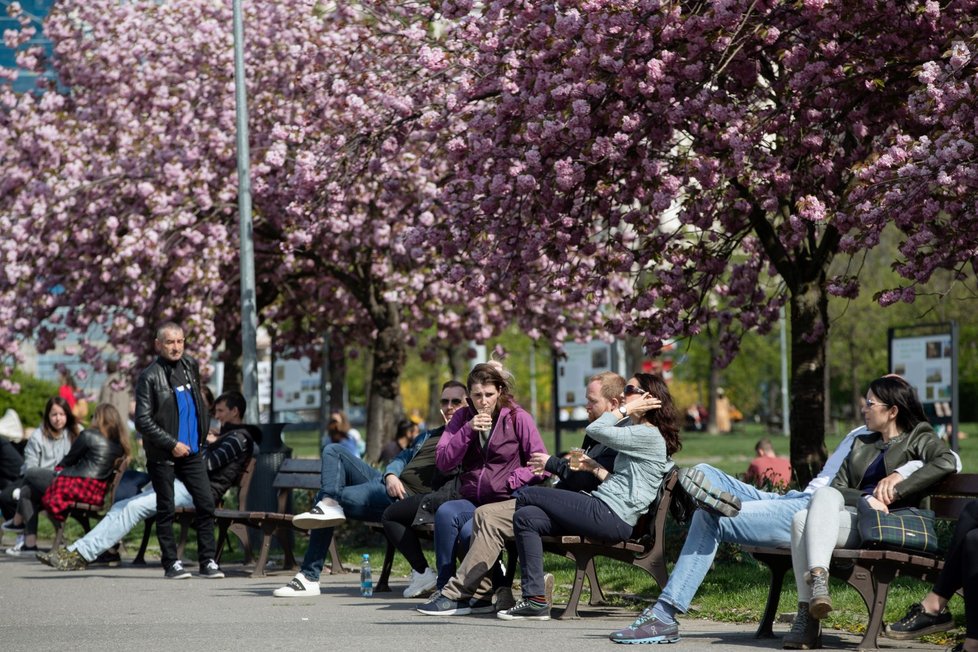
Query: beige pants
492	527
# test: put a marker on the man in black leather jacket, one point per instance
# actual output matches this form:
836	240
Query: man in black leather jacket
172	417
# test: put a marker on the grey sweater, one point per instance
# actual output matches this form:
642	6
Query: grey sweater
641	464
44	453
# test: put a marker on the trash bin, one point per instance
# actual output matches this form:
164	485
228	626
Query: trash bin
262	497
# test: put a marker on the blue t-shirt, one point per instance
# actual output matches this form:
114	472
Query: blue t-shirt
186	410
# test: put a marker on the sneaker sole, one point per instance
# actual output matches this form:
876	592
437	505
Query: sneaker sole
694	482
413	593
219	576
461	611
819	610
183	576
505	616
917	633
313	523
296	594
656	640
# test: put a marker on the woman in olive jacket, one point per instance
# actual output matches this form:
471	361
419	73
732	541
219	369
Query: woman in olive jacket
899	434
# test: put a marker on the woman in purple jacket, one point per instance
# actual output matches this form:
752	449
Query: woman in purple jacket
492	439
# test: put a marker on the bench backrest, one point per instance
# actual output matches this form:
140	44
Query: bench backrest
949	497
296	474
651	525
244	482
118	470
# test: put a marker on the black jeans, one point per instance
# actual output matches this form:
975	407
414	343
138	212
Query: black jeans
961	566
397	521
547	512
36	482
192	471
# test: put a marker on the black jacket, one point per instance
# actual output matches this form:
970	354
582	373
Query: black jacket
157	419
91	456
228	457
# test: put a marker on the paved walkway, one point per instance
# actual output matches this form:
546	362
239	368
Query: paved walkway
134	609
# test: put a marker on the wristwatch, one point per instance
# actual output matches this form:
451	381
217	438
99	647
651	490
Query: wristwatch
623	410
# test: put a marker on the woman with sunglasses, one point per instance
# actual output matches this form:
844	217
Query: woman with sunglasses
609	512
899	433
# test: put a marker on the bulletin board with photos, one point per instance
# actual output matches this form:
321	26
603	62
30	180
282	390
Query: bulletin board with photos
926	356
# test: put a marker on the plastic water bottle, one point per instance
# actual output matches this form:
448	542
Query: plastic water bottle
366	579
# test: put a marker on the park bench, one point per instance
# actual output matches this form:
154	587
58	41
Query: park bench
644	549
85	512
293	474
871	570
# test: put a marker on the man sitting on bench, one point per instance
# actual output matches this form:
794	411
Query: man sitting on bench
227	455
350	485
764	519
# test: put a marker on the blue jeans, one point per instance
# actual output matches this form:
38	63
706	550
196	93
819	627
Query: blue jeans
764	520
453	533
357	487
123	517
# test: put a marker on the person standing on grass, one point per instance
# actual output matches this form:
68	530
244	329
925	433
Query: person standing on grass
173	420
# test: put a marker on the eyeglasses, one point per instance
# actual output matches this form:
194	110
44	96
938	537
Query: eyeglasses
452	401
870	403
631	390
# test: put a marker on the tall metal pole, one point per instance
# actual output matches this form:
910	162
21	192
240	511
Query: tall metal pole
249	312
785	407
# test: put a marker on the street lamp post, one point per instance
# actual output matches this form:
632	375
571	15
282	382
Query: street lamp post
249	313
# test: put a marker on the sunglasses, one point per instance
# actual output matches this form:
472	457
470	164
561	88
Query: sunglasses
452	401
631	390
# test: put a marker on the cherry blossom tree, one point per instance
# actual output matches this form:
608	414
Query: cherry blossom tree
119	196
700	159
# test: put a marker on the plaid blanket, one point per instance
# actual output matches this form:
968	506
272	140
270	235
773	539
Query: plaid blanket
64	491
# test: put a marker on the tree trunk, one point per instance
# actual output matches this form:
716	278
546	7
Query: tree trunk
384	400
336	372
459	362
231	357
711	421
809	329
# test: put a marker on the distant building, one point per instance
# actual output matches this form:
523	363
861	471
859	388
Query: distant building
37	11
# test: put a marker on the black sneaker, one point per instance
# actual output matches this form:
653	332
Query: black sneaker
918	622
480	606
211	570
176	571
108	558
713	500
525	610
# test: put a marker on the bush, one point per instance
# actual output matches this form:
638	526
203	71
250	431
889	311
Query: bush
29	402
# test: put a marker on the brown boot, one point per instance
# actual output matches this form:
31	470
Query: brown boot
806	632
821	603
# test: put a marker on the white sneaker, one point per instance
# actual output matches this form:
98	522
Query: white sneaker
326	513
299	587
420	583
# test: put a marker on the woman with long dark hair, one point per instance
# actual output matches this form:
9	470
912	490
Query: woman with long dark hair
47	445
609	512
899	433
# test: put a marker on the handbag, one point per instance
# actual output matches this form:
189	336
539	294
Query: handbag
909	528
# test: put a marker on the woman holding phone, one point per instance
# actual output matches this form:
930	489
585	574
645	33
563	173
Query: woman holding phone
492	439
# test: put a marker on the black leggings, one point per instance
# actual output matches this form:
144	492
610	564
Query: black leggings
36	482
397	522
961	566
